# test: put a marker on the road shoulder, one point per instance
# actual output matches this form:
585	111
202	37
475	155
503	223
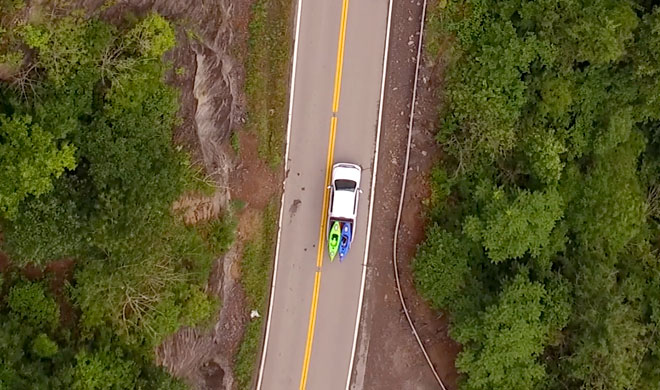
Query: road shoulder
387	355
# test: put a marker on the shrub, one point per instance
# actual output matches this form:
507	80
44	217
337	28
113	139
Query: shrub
43	346
29	302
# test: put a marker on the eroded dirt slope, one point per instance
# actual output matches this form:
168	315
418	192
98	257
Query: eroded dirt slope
209	76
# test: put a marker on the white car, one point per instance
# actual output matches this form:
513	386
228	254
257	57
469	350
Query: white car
344	192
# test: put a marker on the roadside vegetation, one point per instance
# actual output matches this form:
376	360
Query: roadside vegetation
267	67
88	175
255	275
543	244
267	75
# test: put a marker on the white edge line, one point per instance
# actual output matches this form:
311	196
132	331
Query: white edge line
371	196
286	167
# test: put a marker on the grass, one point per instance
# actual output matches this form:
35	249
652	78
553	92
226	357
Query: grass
237	205
256	261
267	75
235	143
255	272
221	233
267	69
247	354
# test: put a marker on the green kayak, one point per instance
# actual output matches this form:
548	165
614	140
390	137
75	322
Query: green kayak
333	240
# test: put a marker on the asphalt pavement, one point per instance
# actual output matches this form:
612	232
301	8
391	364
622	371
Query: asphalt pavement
311	326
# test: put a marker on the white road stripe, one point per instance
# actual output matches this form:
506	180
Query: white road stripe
286	167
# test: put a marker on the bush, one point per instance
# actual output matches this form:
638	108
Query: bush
442	260
220	233
199	308
31	158
43	346
29	303
104	369
247	354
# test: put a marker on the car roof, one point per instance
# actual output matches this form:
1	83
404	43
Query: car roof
343	204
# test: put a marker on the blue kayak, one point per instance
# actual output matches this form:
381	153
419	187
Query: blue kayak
345	242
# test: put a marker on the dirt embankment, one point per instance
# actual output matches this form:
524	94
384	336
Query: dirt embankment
388	355
209	77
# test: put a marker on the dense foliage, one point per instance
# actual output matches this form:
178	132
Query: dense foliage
88	173
543	245
37	354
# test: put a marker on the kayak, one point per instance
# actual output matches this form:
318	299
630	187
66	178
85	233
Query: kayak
333	240
345	242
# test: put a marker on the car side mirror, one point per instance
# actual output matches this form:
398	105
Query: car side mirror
329	187
360	189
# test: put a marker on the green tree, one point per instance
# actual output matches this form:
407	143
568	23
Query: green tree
606	334
105	369
43	346
142	293
596	31
646	58
552	131
151	37
441	267
511	226
30	158
21	366
608	208
543	151
502	348
51	226
90	173
29	303
69	48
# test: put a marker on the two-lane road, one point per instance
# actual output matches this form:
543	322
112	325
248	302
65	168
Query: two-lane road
311	326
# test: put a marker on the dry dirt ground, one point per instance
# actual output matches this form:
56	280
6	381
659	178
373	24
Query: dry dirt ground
388	355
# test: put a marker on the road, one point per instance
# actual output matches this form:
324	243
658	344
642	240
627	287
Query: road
311	326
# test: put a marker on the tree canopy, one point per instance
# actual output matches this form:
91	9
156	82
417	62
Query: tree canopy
546	259
88	175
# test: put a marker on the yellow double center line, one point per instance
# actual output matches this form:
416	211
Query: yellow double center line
324	212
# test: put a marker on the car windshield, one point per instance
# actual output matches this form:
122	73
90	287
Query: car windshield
342	184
